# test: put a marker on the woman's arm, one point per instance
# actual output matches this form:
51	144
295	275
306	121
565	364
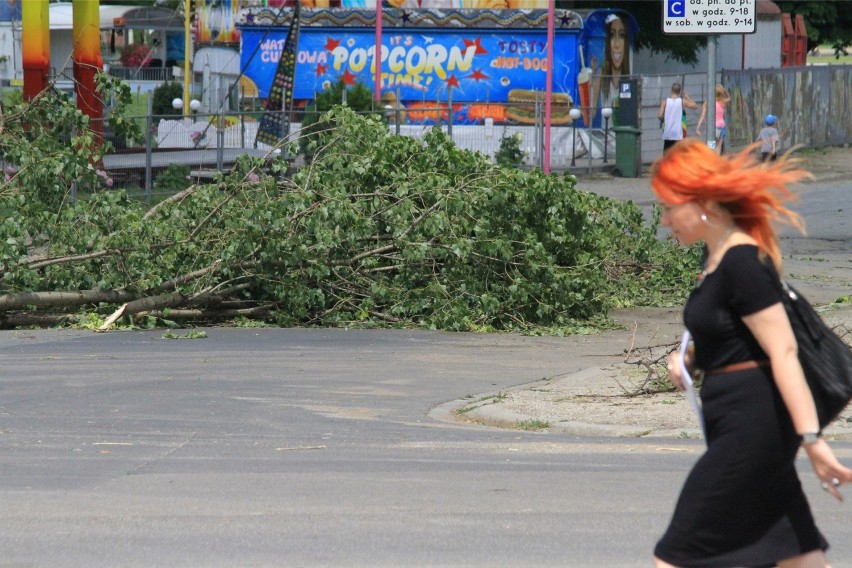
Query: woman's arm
701	118
771	328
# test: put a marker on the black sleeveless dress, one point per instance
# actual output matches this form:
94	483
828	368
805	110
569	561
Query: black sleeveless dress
742	504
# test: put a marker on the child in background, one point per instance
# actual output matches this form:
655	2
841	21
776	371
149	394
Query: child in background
768	137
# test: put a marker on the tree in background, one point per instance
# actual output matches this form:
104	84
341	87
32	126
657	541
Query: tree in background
161	104
827	22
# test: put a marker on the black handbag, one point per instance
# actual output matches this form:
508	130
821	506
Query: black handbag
826	360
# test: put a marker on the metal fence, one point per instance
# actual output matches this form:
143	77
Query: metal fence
812	103
159	74
175	151
203	144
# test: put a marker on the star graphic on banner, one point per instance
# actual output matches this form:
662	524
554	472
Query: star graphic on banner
321	70
566	21
405	16
478	75
331	44
452	82
478	43
348	78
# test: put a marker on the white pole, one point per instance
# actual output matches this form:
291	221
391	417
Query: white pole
712	41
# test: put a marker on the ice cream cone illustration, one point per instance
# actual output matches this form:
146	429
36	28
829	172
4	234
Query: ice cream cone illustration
584	87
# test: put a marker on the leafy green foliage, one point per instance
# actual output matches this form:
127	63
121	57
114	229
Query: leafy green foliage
118	93
359	98
378	230
51	148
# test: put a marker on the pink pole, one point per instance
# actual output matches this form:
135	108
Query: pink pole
548	90
378	54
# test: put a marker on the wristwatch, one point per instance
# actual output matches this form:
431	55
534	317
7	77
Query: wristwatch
808	438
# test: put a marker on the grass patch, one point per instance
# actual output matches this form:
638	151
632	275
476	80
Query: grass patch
826	57
532	425
139	105
189	335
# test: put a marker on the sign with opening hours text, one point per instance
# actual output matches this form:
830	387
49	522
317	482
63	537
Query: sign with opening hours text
709	16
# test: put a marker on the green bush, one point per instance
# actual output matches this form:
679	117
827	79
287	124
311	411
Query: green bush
510	153
163	95
174	178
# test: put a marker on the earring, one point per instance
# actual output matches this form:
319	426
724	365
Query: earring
704	217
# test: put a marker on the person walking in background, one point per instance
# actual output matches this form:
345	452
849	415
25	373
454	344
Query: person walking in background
723	98
742	504
768	138
671	115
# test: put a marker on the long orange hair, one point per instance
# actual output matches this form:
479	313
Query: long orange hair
753	192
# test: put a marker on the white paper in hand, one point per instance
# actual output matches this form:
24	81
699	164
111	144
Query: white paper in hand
689	390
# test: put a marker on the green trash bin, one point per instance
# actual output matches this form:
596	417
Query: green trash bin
627	150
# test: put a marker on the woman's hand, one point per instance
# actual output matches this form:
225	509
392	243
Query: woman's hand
675	373
831	473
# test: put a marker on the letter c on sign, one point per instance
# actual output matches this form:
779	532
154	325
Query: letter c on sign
676	8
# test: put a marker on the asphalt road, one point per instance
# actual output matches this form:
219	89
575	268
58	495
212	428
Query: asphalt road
292	447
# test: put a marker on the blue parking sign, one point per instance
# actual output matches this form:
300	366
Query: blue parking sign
676	8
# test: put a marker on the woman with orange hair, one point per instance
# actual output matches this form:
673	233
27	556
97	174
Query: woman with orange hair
743	503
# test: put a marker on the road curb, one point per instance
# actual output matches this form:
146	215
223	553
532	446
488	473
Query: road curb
485	410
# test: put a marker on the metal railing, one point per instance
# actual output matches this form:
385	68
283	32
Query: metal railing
208	143
158	74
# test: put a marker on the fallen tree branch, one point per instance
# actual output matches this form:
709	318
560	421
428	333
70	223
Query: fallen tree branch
31	319
190	276
112	319
63	299
211	313
176	197
154	303
72	258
